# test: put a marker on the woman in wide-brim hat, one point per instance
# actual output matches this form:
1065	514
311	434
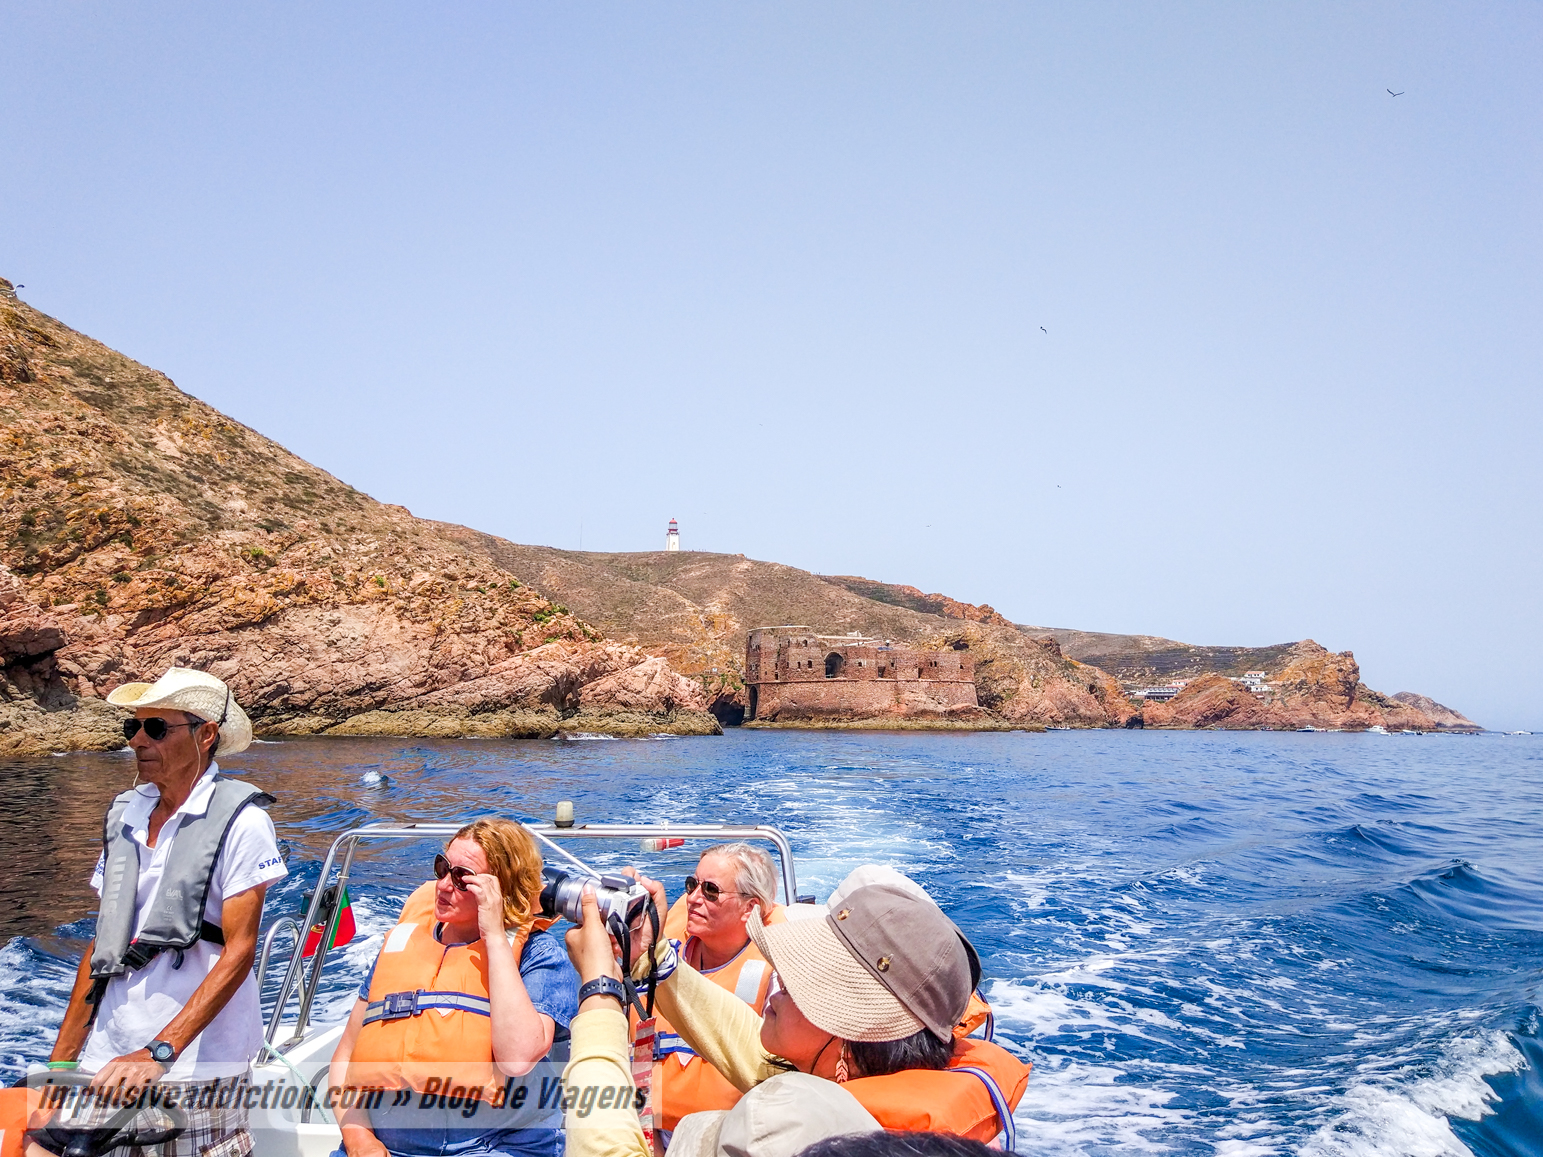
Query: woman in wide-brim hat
872	988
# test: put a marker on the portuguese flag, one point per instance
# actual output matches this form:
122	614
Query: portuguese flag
342	934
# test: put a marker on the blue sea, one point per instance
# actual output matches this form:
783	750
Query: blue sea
1210	943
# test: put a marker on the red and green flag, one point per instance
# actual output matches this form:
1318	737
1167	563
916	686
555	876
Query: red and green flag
342	934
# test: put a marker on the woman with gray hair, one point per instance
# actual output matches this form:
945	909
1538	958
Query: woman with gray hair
730	882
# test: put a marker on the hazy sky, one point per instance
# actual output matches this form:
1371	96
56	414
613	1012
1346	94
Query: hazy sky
780	271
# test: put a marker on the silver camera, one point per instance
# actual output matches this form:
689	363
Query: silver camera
619	897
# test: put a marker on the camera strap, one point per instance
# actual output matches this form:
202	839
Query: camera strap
623	937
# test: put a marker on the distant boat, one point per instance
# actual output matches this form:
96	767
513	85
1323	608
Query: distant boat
1058	729
1376	729
1406	731
1518	733
1308	728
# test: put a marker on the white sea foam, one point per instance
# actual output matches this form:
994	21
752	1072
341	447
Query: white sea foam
34	988
1072	1107
1410	1115
587	736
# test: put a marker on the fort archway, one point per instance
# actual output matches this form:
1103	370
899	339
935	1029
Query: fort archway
834	665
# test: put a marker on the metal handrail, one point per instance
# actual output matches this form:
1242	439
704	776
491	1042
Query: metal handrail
348	843
279	925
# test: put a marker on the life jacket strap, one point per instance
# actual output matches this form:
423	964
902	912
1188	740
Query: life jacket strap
139	954
1004	1110
399	1005
668	1043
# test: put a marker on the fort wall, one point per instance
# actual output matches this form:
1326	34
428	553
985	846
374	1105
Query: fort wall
793	673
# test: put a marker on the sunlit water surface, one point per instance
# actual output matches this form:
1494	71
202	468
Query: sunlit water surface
1207	943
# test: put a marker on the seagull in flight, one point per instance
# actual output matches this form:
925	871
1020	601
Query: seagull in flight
1043	330
1392	93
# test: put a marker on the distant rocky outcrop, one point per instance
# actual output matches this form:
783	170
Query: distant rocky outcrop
1444	718
142	528
1316	688
1142	660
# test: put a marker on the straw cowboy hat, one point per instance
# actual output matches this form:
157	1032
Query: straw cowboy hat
884	963
197	693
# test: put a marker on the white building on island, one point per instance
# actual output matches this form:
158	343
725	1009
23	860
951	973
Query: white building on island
672	538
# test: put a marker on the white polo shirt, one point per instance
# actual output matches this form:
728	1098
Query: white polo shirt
137	1007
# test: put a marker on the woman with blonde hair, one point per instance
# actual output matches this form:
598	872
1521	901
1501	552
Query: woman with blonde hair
463	996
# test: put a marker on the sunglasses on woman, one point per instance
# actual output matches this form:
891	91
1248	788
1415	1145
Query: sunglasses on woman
710	891
458	875
155	727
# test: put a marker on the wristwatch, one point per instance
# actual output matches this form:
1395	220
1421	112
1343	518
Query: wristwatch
603	986
162	1052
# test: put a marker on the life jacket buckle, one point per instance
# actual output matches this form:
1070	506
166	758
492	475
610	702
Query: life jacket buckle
396	1005
139	955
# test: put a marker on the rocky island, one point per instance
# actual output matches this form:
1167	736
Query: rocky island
140	528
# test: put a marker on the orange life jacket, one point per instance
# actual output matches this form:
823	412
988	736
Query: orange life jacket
974	1097
976	1013
19	1111
429	1015
684	1082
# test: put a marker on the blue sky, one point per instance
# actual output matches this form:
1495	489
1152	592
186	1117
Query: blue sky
780	271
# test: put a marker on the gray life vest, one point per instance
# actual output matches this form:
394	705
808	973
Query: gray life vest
176	920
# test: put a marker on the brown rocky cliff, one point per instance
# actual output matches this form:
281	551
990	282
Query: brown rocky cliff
154	530
38	711
1030	682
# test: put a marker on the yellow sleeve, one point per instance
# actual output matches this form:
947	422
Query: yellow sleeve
599	1073
719	1027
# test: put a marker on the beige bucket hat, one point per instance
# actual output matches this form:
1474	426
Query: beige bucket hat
780	1117
197	693
884	963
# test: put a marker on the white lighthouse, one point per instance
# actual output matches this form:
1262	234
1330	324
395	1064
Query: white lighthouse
672	539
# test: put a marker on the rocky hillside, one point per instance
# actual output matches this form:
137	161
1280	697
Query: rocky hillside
697	608
1444	718
142	528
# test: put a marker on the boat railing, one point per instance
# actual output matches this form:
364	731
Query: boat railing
341	856
282	924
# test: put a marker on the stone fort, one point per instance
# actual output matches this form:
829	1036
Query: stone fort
792	673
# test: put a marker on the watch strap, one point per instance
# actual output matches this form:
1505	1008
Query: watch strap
603	986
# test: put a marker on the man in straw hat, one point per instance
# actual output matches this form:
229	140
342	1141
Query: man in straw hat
166	991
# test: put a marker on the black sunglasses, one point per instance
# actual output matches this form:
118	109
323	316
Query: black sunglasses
458	876
710	891
155	727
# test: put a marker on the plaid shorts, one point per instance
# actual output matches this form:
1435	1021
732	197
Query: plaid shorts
215	1110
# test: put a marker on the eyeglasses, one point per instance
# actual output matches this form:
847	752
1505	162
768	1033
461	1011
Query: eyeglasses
155	727
710	891
458	875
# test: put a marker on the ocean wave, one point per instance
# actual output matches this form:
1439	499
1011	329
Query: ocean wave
1411	1112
